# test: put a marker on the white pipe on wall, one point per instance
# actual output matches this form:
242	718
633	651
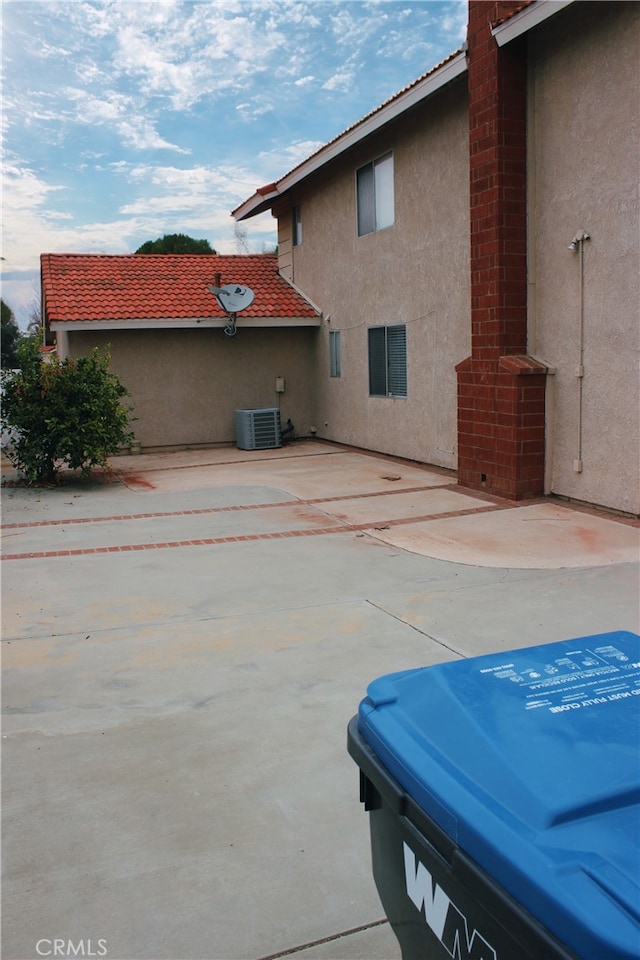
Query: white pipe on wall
578	244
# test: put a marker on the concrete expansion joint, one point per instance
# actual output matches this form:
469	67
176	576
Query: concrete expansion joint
416	629
323	940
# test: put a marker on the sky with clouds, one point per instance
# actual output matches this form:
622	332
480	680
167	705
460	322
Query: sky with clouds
127	119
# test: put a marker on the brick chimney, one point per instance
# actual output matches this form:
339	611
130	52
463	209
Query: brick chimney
500	389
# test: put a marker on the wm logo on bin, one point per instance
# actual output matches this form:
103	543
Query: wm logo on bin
447	923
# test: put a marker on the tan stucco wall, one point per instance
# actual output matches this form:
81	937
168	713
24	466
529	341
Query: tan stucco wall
415	272
186	384
583	174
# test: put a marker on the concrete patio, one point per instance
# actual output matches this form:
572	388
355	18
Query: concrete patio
185	639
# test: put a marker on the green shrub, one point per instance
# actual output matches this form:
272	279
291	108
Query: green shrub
62	413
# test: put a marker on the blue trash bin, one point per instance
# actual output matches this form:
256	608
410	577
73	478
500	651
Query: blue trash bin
503	795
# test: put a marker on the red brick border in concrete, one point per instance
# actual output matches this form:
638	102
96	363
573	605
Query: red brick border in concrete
244	538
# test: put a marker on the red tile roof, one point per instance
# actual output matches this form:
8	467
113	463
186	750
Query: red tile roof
504	16
136	286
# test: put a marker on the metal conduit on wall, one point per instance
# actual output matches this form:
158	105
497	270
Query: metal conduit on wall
577	244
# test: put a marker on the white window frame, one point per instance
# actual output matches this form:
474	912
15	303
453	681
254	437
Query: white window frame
296	226
375	202
387	350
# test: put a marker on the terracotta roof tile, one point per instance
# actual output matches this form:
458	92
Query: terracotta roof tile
503	16
136	286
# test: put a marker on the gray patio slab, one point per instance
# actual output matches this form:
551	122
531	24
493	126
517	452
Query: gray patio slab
175	775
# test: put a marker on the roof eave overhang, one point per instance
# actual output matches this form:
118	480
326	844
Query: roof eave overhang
449	71
528	18
182	323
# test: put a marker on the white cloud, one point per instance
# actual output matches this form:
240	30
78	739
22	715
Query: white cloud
351	31
165	188
22	190
275	163
295	12
140	134
187	52
48	50
57	215
341	81
24	216
89	73
258	107
117	111
455	22
98	110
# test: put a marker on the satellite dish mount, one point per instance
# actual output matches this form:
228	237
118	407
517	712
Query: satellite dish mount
232	298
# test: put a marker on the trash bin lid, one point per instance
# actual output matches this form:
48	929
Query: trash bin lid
530	761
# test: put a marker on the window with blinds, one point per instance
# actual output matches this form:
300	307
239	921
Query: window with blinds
388	361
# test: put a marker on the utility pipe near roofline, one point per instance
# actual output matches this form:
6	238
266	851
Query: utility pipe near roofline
577	244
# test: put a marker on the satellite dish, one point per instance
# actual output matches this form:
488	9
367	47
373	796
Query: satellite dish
233	297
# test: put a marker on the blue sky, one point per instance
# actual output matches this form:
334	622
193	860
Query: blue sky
127	119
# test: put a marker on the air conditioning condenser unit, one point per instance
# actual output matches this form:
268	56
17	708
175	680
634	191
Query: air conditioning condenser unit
258	428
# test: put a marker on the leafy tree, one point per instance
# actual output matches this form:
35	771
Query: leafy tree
176	243
62	413
10	337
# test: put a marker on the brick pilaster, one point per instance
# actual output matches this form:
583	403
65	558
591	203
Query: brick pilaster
500	389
